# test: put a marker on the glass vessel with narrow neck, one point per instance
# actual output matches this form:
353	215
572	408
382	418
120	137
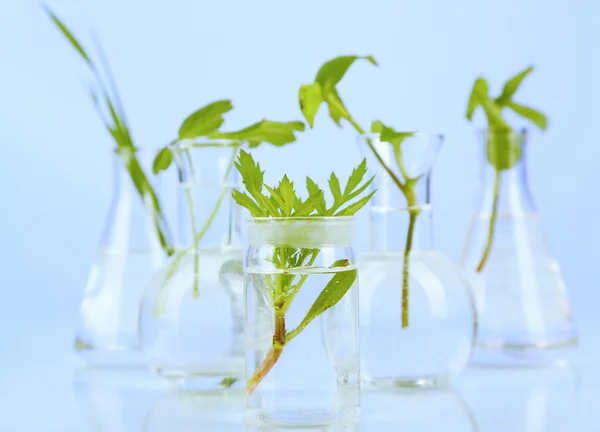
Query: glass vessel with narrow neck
524	312
192	314
302	352
134	244
416	311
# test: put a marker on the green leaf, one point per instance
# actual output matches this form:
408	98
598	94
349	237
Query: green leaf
276	198
315	201
69	35
478	93
310	99
334	185
337	109
511	86
387	134
535	116
163	160
356	177
288	194
314	190
333	292
334	70
245	201
353	208
252	176
205	120
272	132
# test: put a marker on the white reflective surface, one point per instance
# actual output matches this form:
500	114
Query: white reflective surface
40	391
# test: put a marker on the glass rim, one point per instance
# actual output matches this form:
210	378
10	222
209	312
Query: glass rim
500	131
192	143
415	134
300	218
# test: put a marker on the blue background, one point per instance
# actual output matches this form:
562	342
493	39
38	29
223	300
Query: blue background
172	57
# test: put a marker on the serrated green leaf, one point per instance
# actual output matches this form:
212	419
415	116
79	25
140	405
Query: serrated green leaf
531	114
314	190
272	132
287	192
478	94
360	190
310	98
205	120
312	202
163	160
252	176
355	207
511	86
245	201
356	177
276	198
334	186
70	37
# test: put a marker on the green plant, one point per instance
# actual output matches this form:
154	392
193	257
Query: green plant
323	90
283	202
503	149
109	106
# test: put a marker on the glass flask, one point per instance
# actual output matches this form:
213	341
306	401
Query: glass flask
417	316
523	307
192	313
135	242
302	353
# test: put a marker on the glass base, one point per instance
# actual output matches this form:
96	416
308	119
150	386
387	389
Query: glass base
409	382
522	355
201	383
298	418
112	356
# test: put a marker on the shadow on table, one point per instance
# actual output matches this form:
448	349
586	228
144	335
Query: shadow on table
522	399
427	410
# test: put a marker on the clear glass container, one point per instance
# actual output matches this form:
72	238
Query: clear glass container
524	311
134	244
192	314
417	316
302	352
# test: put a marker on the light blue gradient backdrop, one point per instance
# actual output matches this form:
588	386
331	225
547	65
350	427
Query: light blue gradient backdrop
171	57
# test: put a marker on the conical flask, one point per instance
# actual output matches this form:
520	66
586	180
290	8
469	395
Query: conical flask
523	309
134	244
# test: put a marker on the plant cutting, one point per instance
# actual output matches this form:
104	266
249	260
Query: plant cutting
323	90
110	109
502	152
201	129
281	202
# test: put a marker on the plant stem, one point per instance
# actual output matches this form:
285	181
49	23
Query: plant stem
488	246
405	266
271	357
190	201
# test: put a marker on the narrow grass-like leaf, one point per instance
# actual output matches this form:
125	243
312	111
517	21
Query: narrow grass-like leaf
70	37
353	208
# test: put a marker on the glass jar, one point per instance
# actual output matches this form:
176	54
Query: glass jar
523	307
417	315
192	314
135	243
302	352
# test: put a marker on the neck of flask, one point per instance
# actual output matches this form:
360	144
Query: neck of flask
504	174
401	221
208	217
133	220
